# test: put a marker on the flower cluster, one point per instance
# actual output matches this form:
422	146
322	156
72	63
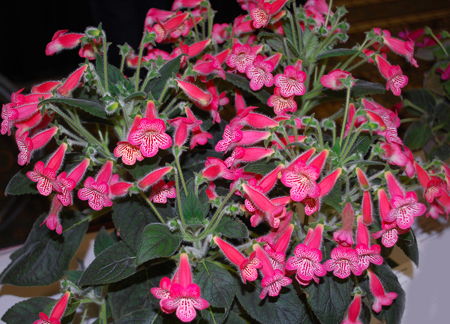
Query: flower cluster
219	133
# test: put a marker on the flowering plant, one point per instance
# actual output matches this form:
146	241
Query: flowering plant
234	195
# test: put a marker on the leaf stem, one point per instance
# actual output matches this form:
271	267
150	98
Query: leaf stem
344	123
105	63
138	69
152	206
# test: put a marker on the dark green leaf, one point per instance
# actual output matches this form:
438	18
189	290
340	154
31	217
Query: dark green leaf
218	286
195	208
141	169
362	145
330	299
365	88
103	241
391	314
336	52
417	135
260	167
113	264
140	95
140	316
116	80
284	309
27	311
45	255
130	218
20	185
92	107
243	84
408	243
156	86
421	98
157	241
334	198
232	227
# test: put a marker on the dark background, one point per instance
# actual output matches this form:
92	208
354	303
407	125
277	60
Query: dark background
27	26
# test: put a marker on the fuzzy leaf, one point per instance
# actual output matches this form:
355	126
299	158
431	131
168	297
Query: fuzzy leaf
421	98
20	185
117	82
27	267
417	135
232	227
260	167
27	311
242	83
130	218
113	264
156	86
365	88
330	299
92	107
103	240
284	309
157	241
408	243
218	286
194	208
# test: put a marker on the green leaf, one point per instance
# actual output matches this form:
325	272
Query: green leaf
140	95
366	88
334	197
408	243
417	135
117	82
232	227
45	255
243	84
167	71
284	309
140	316
113	264
391	314
157	241
20	185
329	300
260	167
194	208
92	107
336	52
421	98
218	286
27	311
103	240
362	145
141	169
130	218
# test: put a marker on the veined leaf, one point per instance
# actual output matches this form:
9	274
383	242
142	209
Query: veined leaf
20	185
243	84
157	241
92	107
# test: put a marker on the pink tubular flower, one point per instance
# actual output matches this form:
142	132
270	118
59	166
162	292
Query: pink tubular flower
165	29
343	262
249	154
382	298
194	93
161	191
63	40
45	174
153	177
273	279
367	253
220	33
66	183
178	4
242	56
433	186
27	145
52	220
405	206
333	80
150	136
271	211
248	267
57	312
184	296
291	81
280	104
72	81
97	191
307	258
264	11
353	312
344	236
259	73
366	205
389	231
399	155
393	74
128	152
277	250
398	46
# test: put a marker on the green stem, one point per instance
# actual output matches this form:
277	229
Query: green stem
138	69
216	218
348	145
347	103
180	211
152	206
105	63
408	120
102	318
180	172
122	63
438	41
329	12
